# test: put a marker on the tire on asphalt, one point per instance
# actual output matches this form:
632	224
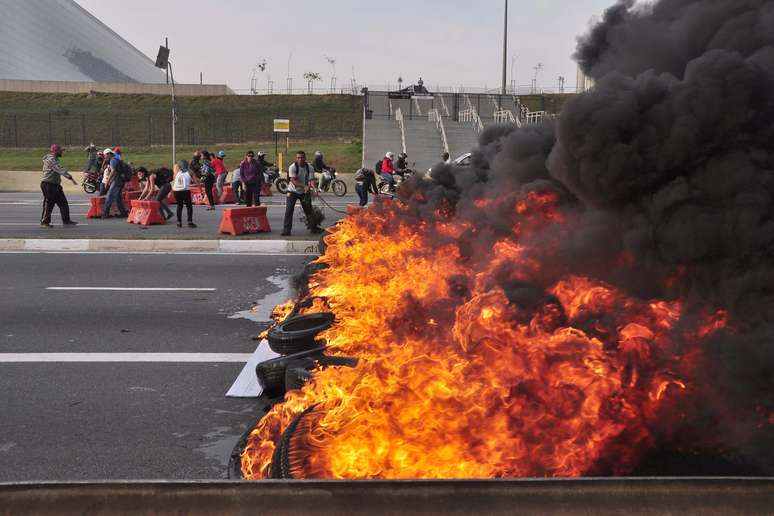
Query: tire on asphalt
297	334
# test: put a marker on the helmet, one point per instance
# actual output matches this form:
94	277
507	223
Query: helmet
222	154
318	153
389	155
108	151
117	150
261	154
56	149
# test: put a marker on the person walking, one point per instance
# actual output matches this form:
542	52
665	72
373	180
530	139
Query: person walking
92	165
51	186
251	173
300	174
365	183
221	172
158	182
208	178
182	191
119	174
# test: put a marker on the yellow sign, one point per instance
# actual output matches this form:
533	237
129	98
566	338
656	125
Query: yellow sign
281	126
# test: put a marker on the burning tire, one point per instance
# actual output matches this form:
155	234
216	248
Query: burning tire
271	376
297	334
298	373
285	463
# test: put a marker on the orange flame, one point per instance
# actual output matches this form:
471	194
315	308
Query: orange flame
455	380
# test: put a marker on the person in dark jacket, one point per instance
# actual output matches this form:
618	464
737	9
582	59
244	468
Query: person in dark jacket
365	183
251	173
195	166
208	178
51	186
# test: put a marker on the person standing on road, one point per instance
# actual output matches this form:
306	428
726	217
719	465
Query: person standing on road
300	174
106	170
195	167
92	165
182	189
119	174
220	172
365	183
251	173
159	181
51	186
236	185
208	179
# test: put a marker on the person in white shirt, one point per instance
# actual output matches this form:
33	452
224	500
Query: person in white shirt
182	191
106	170
236	185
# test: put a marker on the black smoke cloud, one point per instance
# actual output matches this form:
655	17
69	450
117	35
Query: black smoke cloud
669	160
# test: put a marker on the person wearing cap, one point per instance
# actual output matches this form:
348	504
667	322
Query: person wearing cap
115	186
51	186
220	172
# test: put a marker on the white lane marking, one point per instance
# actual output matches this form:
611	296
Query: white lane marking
33	224
134	289
246	384
156	253
191	358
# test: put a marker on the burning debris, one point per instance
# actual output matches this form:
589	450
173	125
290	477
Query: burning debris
582	296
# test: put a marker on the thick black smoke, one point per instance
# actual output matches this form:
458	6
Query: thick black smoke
668	160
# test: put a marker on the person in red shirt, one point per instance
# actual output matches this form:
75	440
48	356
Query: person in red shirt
388	168
220	172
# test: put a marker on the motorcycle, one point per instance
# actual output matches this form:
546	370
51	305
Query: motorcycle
91	180
328	181
273	176
400	176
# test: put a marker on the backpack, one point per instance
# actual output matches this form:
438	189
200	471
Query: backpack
163	176
124	172
378	168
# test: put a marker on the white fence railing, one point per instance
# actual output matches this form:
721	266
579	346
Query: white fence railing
444	107
435	116
399	118
417	106
470	115
505	116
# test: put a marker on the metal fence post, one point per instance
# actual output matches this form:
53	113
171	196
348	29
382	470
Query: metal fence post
15	132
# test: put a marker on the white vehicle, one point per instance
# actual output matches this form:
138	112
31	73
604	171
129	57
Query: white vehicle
463	161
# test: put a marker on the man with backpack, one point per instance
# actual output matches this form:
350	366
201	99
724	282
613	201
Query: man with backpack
300	174
120	174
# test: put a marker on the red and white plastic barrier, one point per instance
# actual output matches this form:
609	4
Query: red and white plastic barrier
146	213
243	221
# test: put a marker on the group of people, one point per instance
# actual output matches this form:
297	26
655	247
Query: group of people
204	168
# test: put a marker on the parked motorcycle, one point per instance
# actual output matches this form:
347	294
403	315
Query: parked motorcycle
91	180
273	176
328	182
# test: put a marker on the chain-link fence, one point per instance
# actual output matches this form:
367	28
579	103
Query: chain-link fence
19	129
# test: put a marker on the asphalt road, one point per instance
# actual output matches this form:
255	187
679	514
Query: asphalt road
20	218
78	421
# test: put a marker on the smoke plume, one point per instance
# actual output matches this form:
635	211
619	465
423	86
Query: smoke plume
666	169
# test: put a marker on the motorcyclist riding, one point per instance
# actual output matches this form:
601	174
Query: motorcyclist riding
320	167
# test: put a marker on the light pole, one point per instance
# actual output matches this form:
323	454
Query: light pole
332	62
505	50
290	80
163	62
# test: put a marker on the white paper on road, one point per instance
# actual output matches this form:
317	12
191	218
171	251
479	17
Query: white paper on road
246	384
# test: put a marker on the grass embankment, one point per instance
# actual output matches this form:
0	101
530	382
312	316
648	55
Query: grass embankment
38	119
346	157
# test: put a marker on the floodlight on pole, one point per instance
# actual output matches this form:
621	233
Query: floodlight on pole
163	62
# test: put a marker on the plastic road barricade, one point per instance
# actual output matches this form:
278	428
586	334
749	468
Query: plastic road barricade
130	195
228	196
146	213
171	198
266	190
97	207
242	221
199	196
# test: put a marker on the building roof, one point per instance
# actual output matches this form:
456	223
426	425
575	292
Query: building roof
58	40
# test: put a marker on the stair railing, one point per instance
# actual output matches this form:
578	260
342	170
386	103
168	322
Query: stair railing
399	118
434	116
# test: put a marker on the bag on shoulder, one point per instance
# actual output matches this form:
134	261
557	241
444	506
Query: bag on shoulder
124	172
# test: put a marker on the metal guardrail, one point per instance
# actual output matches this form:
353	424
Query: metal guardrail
435	116
572	497
417	106
443	106
399	118
505	116
470	115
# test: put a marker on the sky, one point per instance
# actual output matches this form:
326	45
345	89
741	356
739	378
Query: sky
448	43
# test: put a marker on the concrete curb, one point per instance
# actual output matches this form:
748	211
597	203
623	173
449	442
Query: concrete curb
160	246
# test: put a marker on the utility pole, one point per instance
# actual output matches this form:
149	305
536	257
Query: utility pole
166	45
505	51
